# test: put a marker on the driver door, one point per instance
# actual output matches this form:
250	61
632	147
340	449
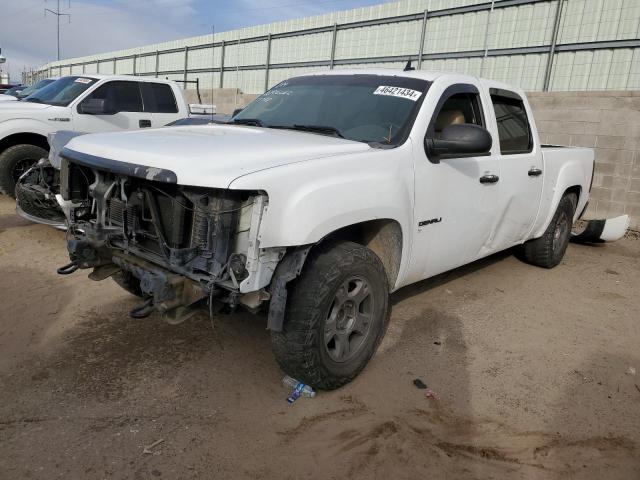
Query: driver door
123	102
456	199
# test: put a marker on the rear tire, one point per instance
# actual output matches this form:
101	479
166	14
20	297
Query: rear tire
548	250
14	161
127	281
337	313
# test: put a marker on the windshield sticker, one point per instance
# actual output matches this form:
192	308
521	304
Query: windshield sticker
400	92
83	80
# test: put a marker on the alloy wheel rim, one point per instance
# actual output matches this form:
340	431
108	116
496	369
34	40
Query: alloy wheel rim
560	232
349	320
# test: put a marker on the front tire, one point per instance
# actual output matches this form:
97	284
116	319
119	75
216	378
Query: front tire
548	250
337	313
14	161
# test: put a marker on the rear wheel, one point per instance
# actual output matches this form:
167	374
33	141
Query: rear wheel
337	313
548	250
15	161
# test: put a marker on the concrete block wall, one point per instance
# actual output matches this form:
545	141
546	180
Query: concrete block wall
226	100
608	121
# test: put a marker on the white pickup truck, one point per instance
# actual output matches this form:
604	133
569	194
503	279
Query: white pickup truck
324	195
84	103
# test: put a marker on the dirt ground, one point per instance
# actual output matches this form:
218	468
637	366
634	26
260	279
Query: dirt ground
533	369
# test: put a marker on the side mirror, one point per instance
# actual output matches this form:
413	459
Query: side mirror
95	106
462	140
236	111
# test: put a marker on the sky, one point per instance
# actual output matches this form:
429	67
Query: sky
28	36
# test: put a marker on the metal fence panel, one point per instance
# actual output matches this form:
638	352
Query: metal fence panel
593	44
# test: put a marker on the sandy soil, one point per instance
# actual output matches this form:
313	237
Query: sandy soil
531	368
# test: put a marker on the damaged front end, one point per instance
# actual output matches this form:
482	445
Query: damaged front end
185	245
38	196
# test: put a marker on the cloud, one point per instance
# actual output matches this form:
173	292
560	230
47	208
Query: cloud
29	38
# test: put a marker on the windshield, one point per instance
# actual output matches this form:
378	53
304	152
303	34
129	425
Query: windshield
35	87
376	109
62	92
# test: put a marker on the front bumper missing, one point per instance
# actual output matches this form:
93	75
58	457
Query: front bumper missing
171	292
599	231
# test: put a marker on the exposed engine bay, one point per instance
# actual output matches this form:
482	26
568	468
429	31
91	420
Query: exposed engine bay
184	244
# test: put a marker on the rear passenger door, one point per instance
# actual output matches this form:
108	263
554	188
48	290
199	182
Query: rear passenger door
160	102
521	169
123	101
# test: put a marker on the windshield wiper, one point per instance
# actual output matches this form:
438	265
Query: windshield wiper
248	121
324	129
32	99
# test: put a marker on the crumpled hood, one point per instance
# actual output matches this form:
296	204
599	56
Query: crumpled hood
212	155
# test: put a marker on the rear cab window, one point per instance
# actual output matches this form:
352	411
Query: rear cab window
158	98
514	129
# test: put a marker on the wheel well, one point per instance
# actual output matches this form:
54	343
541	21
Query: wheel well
24	139
383	237
575	189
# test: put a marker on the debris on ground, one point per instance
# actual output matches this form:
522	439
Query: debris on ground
631	371
420	384
148	450
431	394
299	389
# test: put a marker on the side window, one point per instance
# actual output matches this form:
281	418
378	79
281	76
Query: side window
514	131
119	96
158	98
458	108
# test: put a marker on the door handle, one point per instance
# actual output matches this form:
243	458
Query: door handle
534	172
489	179
144	123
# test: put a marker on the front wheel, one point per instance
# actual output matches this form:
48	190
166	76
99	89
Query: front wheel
15	161
548	250
337	313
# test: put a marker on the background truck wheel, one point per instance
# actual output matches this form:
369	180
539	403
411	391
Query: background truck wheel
14	161
337	313
548	250
127	281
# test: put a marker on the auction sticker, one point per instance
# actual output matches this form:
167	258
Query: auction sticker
83	80
400	92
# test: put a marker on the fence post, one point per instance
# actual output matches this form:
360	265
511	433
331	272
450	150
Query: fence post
221	64
552	47
486	38
135	56
266	65
333	45
157	62
422	35
186	61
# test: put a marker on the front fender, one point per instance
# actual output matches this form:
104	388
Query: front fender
24	125
310	200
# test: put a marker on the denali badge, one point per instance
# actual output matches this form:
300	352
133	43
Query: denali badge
429	222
